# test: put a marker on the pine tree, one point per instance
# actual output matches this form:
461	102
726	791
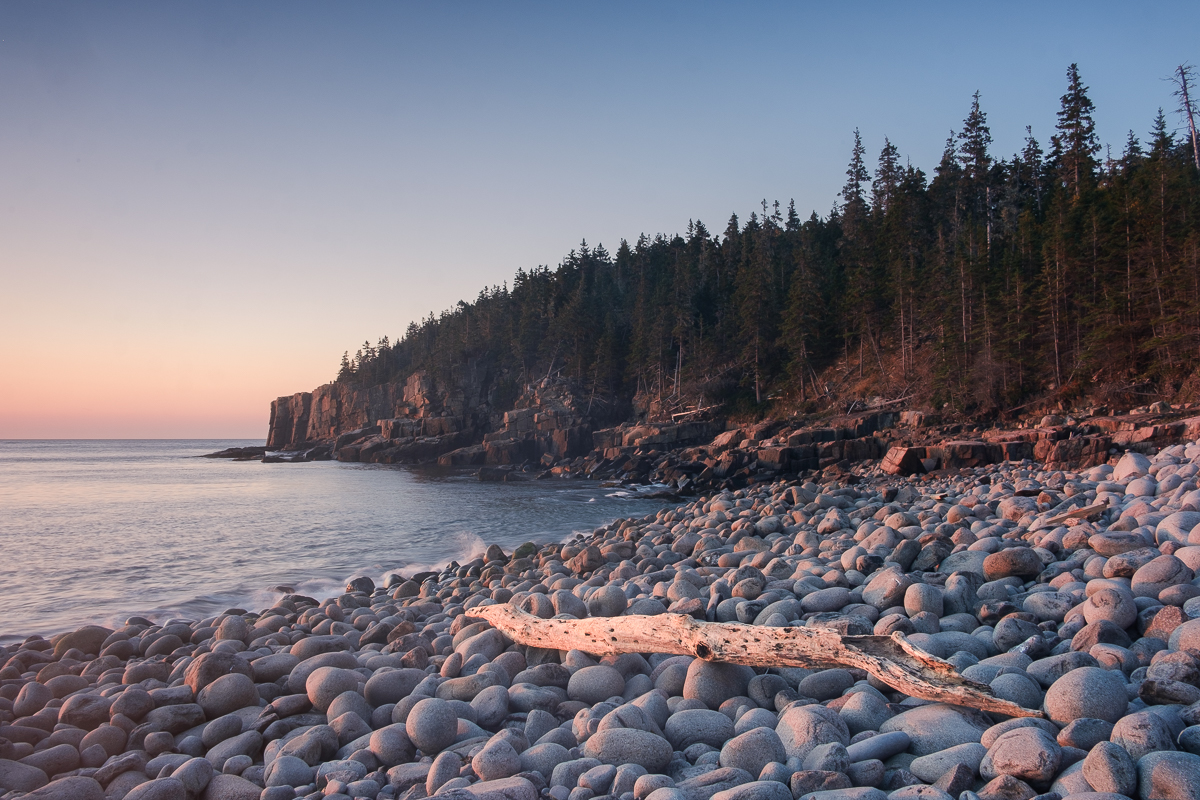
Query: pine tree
1075	144
887	176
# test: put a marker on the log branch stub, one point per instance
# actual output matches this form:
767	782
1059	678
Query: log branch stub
892	659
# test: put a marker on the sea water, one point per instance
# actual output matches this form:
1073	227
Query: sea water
96	531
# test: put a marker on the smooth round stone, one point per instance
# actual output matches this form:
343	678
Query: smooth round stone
713	683
829	757
31	699
496	760
88	639
755	718
1047	670
1112	543
269	669
391	686
565	602
1012	631
15	776
865	711
825	600
86	711
692	726
598	779
220	729
227	694
1189	740
1088	692
236	765
1187	635
54	760
1131	465
1178	595
826	684
344	770
1017	688
431	725
391	745
210	666
804	728
1169	776
993	733
964	561
1084	733
921	597
1141	733
62	685
349	702
1013	561
233	628
619	746
135	703
491	706
1176	527
1030	754
326	683
647	784
248	743
1113	605
753	750
926	622
755	790
1108	768
195	775
935	727
762	689
933	766
592	685
75	787
542	758
1160	573
607	601
288	771
110	738
1141	487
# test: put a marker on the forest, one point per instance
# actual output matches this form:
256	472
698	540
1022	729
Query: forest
1068	272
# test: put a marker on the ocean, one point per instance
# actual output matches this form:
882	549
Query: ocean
95	531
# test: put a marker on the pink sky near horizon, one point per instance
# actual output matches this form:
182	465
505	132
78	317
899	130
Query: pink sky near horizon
204	205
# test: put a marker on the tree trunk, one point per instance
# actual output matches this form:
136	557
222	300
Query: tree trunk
891	659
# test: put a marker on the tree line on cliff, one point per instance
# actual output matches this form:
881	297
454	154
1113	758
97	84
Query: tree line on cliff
1059	269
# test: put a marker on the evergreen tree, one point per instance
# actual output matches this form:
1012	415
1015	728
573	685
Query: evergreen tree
1075	144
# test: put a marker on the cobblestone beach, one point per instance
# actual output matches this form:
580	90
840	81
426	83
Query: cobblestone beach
1071	593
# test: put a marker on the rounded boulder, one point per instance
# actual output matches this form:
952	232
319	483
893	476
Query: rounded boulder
591	685
227	694
619	746
431	725
326	683
1086	692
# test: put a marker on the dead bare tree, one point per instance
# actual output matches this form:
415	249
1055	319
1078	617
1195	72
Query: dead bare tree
1185	85
891	659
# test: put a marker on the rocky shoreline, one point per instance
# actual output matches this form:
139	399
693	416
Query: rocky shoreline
1073	592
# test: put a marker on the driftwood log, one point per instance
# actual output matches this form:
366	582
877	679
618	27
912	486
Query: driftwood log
891	659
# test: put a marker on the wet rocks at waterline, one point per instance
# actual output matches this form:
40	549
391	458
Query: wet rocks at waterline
1071	593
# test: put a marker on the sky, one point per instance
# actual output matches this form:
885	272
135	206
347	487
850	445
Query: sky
204	204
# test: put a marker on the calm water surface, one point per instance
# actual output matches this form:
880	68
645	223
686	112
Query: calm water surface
100	530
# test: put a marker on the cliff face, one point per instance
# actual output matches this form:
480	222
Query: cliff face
422	420
335	408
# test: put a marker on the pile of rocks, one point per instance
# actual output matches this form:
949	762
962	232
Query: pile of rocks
1069	592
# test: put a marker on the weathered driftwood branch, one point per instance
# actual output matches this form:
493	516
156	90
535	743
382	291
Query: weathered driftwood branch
891	659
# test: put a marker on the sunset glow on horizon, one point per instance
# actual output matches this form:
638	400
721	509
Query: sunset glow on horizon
204	205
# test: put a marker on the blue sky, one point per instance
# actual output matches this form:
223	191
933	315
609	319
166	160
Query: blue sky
204	204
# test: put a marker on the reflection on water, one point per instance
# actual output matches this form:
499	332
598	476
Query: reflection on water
99	530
